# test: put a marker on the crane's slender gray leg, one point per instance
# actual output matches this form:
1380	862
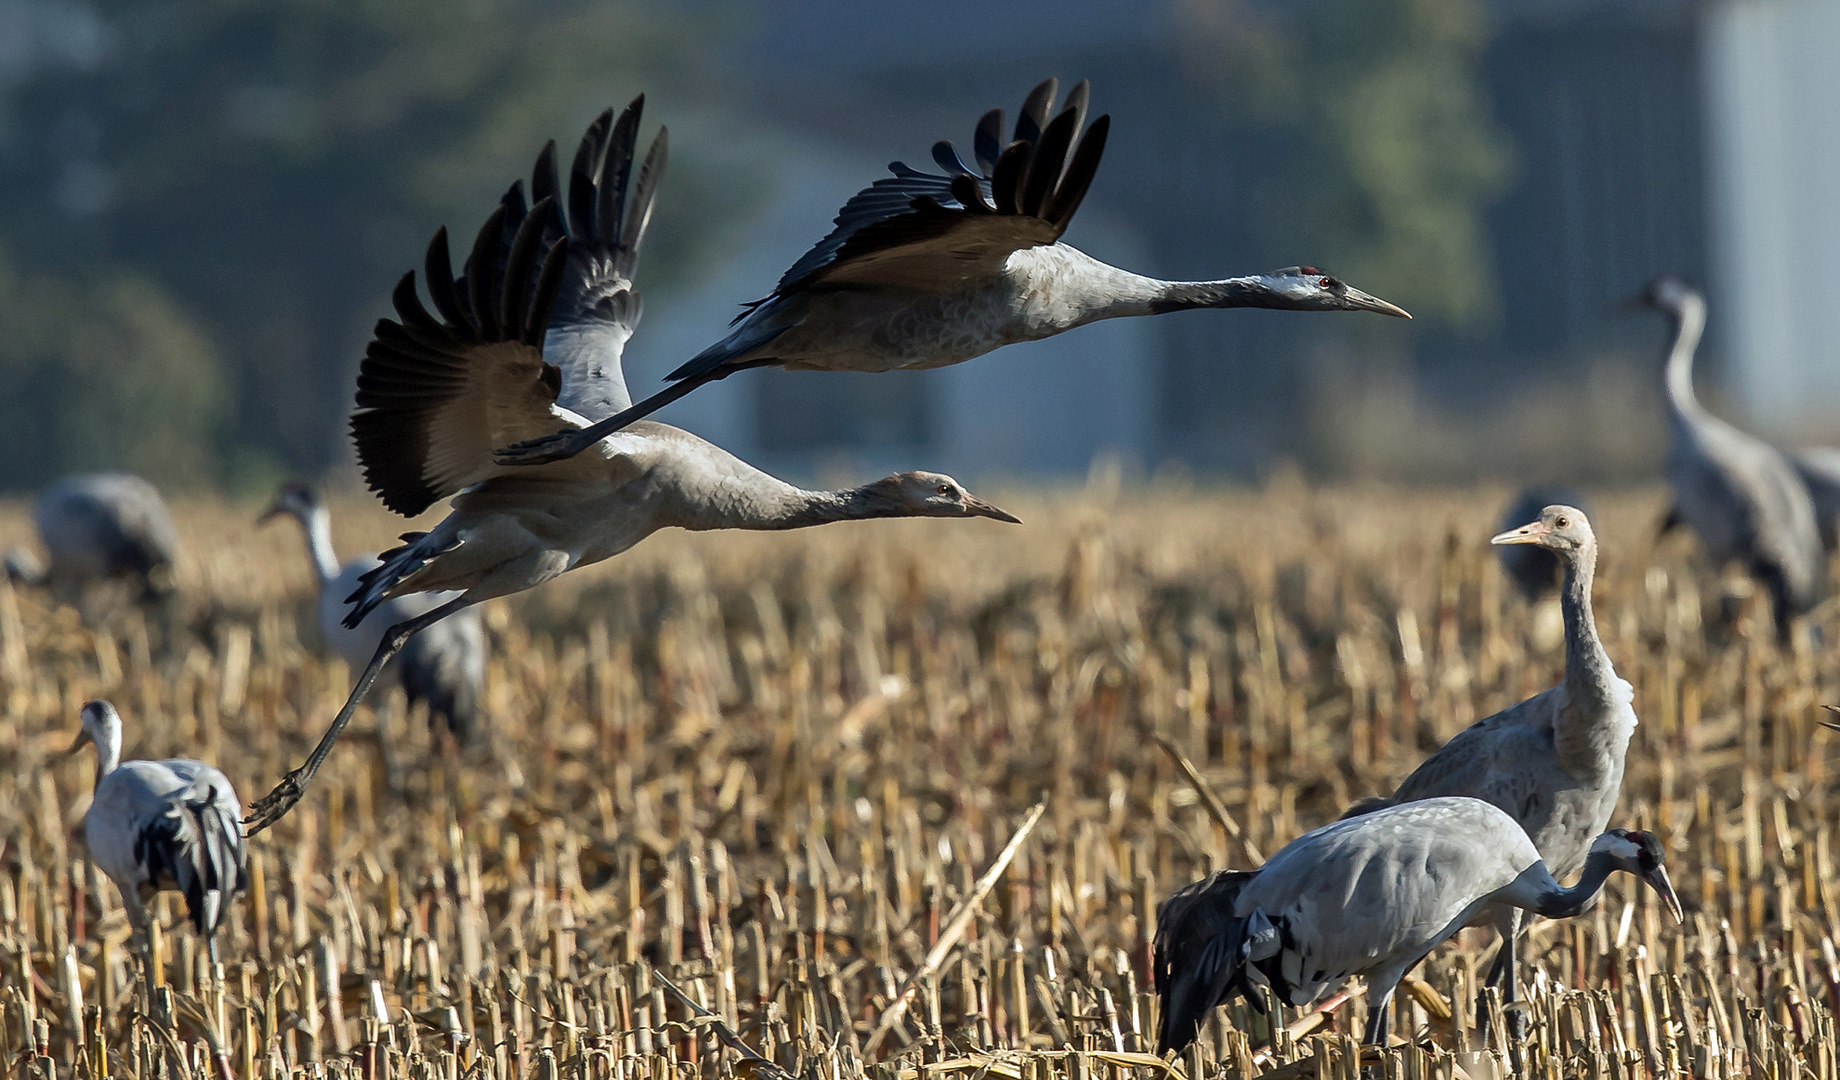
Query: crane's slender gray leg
1504	974
566	444
1379	1019
271	807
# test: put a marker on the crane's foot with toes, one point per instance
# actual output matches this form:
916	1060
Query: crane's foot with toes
540	450
273	806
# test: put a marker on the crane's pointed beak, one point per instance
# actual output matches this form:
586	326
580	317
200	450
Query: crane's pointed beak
1658	878
1830	723
1356	300
271	514
79	743
980	508
1531	533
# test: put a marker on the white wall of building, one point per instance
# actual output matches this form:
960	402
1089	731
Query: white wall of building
1773	112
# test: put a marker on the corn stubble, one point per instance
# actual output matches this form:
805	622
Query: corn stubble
765	806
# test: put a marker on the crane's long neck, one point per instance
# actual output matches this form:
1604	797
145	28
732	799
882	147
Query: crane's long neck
317	524
1559	902
1058	286
1689	320
1591	727
108	750
794	507
1587	666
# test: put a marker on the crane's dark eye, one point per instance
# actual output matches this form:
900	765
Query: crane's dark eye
1327	283
1562	523
945	489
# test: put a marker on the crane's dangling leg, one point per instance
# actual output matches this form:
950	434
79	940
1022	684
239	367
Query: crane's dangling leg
271	807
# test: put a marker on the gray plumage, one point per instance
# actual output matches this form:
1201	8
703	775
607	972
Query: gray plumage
923	270
101	527
1819	468
1739	494
445	667
1533	569
1369	896
436	394
163	825
1555	761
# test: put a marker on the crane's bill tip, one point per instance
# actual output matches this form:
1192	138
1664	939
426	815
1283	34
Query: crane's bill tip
1658	878
1831	709
1356	300
980	508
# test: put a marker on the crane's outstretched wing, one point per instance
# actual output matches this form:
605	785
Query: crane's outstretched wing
528	340
913	230
926	230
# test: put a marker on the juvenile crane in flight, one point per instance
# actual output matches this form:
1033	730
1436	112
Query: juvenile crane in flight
923	270
530	337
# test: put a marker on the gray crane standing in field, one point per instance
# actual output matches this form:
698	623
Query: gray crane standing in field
1738	493
1533	569
529	339
444	666
1368	896
160	825
101	527
1555	761
923	270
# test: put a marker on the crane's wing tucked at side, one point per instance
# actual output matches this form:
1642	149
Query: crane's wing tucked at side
194	844
528	340
926	230
1201	952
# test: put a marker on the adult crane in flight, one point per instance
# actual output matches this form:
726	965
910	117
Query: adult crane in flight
922	270
530	337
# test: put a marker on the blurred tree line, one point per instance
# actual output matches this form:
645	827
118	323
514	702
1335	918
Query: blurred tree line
207	202
1377	143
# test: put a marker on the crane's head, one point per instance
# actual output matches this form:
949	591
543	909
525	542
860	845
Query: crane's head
1560	529
929	494
1308	288
1665	293
101	727
296	497
1640	853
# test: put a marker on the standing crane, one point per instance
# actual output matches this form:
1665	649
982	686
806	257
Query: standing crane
163	825
1738	493
445	667
529	338
95	527
923	270
1533	569
1368	896
1553	762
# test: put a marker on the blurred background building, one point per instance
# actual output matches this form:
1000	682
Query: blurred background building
206	206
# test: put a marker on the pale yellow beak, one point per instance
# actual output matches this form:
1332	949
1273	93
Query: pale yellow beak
1530	533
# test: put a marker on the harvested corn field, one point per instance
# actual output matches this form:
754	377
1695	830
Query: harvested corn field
899	800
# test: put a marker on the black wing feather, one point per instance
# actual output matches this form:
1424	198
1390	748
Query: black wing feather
1035	111
1030	176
